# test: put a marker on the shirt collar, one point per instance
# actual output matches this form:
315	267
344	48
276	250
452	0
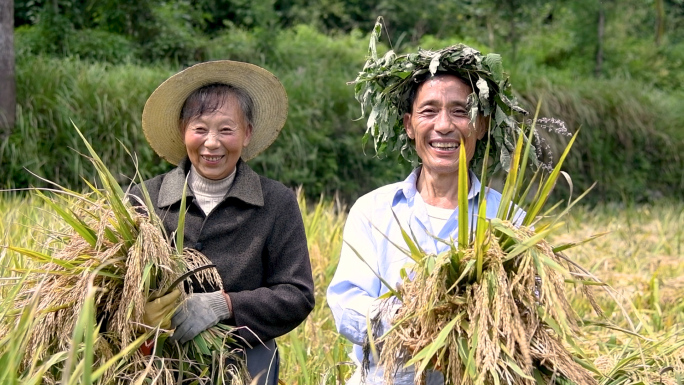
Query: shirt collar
407	188
246	186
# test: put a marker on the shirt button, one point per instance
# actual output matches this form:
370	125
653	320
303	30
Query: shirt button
199	246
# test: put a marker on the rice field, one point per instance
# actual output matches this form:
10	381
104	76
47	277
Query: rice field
639	256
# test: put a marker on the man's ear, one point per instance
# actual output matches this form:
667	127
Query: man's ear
482	126
407	126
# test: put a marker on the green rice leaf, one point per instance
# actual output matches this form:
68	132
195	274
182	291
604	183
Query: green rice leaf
508	193
570	245
87	317
115	196
415	251
72	220
128	350
545	191
530	242
42	258
462	198
387	285
511	364
201	344
470	365
180	230
480	232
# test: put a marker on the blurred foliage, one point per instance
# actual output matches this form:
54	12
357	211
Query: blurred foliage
95	62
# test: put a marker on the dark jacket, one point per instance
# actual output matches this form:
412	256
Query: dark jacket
256	238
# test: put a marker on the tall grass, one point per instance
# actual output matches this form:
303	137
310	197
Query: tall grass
630	144
105	100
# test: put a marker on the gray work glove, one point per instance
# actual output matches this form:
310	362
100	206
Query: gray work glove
198	313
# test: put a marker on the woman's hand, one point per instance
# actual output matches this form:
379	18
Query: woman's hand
156	310
199	312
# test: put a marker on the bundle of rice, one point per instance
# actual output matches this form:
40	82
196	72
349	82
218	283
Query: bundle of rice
89	289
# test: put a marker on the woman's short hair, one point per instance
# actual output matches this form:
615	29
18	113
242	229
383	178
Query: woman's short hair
207	99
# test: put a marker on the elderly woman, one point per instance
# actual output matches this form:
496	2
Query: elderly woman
209	120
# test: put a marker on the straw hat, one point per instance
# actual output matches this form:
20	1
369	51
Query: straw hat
162	111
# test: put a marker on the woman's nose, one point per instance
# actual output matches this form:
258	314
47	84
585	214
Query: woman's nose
211	141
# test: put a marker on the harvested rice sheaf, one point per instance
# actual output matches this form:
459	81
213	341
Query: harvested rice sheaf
506	327
112	245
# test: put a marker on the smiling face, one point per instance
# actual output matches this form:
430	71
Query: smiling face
438	123
214	140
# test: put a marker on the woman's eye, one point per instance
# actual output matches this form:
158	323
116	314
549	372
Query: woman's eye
199	130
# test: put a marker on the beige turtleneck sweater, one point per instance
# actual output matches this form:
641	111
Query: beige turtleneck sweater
208	192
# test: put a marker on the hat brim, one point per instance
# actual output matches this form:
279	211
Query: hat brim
161	115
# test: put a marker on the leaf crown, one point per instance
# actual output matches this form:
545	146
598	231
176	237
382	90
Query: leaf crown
385	85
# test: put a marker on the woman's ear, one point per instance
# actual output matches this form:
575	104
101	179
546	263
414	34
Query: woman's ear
248	136
181	129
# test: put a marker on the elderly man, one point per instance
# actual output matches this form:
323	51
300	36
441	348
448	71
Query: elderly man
439	111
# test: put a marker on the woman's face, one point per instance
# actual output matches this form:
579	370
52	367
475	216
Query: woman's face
214	141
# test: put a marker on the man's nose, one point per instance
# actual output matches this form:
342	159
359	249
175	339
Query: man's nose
444	124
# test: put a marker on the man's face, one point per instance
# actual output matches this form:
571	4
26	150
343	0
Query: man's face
439	122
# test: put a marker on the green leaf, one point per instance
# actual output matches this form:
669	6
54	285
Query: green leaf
415	250
548	185
463	233
201	345
387	285
87	233
180	230
494	62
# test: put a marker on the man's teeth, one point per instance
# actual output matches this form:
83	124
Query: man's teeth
446	146
212	158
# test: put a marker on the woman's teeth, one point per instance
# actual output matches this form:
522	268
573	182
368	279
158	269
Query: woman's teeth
212	158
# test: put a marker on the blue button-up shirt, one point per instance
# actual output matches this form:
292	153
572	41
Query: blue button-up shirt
370	230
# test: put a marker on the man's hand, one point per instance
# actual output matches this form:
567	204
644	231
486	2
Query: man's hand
199	312
157	309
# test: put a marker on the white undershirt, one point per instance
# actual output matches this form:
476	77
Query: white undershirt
438	216
208	192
